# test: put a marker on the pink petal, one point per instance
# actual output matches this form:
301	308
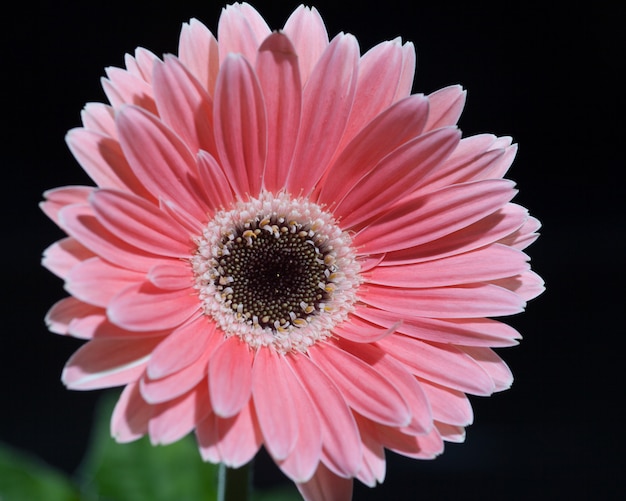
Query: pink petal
198	51
214	182
141	224
272	388
374	466
527	285
172	420
63	312
467	301
405	84
474	159
122	87
96	325
239	437
96	282
383	135
524	236
184	105
326	486
182	347
395	176
230	377
102	159
178	383
240	125
492	364
446	106
451	433
483	265
99	117
171	275
442	364
60	198
355	329
325	110
437	214
463	331
208	439
486	231
103	363
307	32
421	419
63	255
279	77
366	391
448	405
241	30
144	307
131	415
341	443
80	223
142	64
379	73
301	464
160	159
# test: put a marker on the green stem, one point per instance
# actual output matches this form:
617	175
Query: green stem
234	484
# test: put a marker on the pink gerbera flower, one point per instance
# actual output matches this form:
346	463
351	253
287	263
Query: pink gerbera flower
287	249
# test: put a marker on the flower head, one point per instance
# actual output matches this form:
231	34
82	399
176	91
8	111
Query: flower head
285	248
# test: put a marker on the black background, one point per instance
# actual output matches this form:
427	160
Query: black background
548	76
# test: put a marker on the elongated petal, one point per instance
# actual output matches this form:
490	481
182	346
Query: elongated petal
483	265
130	417
326	486
215	182
103	363
301	464
448	405
141	224
64	255
240	31
341	445
99	117
63	312
134	307
184	105
492	364
230	377
102	158
239	437
171	275
181	348
97	282
324	113
388	131
160	159
308	35
446	106
197	50
271	390
279	77
365	390
441	364
395	176
123	87
240	125
59	198
173	420
80	223
379	73
437	214
446	302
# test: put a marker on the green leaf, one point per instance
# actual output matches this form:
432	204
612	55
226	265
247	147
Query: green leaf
23	477
141	471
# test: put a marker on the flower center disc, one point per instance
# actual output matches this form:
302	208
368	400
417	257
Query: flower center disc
273	272
276	271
